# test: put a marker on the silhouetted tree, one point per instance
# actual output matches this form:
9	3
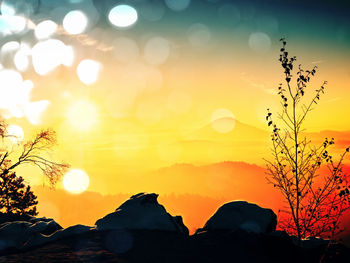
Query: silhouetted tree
315	201
16	197
33	152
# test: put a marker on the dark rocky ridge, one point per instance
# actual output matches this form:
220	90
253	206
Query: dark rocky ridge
237	232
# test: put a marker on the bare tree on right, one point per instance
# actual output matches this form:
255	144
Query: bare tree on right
315	200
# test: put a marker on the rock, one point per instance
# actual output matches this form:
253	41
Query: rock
314	242
48	225
9	217
14	235
40	239
242	215
142	211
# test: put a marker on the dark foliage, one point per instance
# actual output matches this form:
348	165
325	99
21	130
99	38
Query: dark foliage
15	196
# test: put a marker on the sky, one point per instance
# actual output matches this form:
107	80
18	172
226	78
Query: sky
132	87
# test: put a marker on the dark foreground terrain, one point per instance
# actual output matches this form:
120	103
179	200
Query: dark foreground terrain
163	246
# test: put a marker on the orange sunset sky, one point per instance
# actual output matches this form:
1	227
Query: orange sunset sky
164	96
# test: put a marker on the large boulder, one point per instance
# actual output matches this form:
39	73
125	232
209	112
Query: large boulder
242	215
142	211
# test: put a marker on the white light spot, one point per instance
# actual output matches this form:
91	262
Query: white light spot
76	181
67	56
45	29
259	42
7	9
10	47
157	50
177	5
50	54
15	97
34	110
75	22
21	60
15	133
223	120
123	16
88	71
12	24
19	7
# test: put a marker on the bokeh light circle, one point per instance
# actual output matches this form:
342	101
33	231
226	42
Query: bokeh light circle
199	35
223	120
177	5
157	50
45	29
75	22
259	42
123	16
88	71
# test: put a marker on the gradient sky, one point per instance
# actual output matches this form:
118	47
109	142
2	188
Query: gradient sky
189	82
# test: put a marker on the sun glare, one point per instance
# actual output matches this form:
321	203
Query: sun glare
76	181
82	115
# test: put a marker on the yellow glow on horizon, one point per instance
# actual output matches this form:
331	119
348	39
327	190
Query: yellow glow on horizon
76	181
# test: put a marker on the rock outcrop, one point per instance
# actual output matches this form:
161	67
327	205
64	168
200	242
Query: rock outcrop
40	239
242	215
14	235
142	211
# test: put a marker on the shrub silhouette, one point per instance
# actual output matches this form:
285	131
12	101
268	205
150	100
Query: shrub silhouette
16	197
315	201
